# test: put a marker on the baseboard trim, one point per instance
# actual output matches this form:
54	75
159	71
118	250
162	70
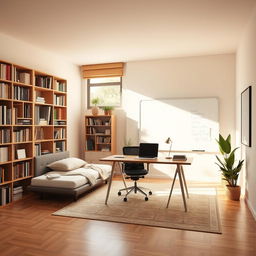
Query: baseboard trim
250	208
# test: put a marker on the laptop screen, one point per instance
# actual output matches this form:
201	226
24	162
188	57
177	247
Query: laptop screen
149	150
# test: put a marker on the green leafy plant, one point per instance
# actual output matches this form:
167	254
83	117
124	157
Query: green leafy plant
107	108
95	101
230	171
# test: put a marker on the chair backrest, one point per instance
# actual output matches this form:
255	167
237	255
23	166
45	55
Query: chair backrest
132	151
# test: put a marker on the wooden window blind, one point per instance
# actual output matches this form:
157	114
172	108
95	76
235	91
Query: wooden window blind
103	70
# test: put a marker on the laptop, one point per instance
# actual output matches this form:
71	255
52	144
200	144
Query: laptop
148	150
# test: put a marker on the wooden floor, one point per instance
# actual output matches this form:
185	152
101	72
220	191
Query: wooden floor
28	228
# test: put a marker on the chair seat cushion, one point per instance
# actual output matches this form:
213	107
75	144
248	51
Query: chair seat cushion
136	172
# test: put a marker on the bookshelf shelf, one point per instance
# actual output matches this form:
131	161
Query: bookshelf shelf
22	160
27	125
22	178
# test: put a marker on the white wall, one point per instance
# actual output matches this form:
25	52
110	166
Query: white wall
24	54
205	76
246	75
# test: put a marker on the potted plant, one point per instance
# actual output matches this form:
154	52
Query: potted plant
230	170
108	110
95	109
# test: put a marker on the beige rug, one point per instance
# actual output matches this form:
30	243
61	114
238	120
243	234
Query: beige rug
202	212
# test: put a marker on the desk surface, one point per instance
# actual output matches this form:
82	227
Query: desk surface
134	159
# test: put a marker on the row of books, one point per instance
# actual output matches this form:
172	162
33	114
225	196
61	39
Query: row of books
21	170
21	135
90	144
5	71
43	115
96	131
60	86
21	93
1	174
4	91
39	133
94	121
39	151
5	136
44	81
5	195
59	133
21	76
59	100
59	113
5	115
4	154
103	139
59	146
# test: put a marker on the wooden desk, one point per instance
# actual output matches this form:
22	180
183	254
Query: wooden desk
133	159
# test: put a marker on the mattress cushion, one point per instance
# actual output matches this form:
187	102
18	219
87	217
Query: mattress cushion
62	181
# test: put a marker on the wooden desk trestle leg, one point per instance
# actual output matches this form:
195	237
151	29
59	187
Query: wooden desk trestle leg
110	182
179	172
184	180
122	174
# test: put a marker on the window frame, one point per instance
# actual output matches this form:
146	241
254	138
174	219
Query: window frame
89	85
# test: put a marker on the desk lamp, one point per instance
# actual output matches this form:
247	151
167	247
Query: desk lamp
169	141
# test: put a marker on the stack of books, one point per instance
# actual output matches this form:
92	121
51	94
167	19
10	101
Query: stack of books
17	193
40	99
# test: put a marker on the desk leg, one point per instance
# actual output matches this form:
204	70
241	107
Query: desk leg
122	174
110	182
181	186
184	180
175	175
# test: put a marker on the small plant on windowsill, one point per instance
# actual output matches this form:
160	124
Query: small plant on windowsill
95	109
108	110
230	170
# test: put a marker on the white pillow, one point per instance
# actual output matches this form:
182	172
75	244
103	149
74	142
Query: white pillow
66	164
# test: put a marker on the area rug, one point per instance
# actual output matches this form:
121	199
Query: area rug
202	214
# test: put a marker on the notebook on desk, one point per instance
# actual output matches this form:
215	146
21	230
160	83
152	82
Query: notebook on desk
148	150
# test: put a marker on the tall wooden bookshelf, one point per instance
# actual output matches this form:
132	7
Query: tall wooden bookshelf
100	136
33	121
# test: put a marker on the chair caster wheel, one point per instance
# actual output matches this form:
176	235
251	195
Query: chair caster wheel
150	193
119	193
146	198
125	199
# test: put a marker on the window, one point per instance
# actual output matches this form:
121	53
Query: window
107	89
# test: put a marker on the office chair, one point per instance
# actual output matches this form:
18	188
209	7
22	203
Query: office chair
134	171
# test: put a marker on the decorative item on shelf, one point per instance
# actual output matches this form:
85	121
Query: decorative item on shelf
21	153
169	141
95	109
230	170
108	110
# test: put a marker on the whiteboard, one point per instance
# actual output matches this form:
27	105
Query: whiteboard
191	123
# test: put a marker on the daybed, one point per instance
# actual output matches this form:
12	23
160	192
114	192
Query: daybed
73	182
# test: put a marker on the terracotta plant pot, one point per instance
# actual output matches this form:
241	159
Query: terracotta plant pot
108	112
95	111
234	193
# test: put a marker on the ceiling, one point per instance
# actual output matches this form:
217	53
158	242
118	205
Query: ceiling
98	31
